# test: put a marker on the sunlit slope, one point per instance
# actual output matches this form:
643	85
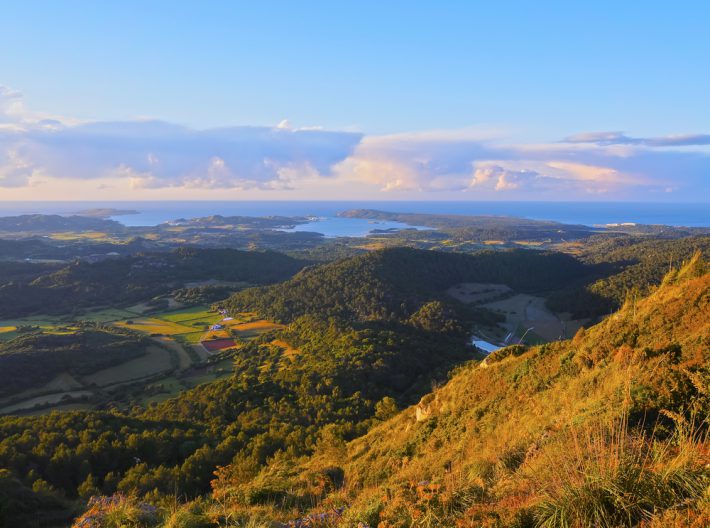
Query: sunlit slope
541	437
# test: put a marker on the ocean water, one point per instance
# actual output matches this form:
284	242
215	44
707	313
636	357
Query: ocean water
585	213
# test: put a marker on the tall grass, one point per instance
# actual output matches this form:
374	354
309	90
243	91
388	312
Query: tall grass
616	477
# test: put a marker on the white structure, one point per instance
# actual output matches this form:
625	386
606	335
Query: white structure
484	346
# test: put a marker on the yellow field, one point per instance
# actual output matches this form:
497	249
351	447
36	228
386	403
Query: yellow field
255	326
371	246
151	325
93	235
4	329
215	334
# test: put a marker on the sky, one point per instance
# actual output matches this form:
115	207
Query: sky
434	100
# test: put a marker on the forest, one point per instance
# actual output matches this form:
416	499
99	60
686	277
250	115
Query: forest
352	405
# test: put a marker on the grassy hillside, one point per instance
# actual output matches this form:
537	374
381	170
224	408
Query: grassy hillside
608	429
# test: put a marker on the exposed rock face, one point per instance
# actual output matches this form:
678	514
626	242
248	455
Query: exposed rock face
426	407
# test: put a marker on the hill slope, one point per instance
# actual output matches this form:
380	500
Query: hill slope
596	431
394	283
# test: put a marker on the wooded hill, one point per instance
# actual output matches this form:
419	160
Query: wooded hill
118	281
620	265
608	429
392	284
33	359
537	437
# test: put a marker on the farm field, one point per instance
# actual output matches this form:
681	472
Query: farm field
153	325
184	359
61	383
521	311
44	400
255	328
7	332
477	292
156	360
184	342
191	326
107	315
524	311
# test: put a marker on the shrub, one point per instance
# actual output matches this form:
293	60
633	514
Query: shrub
117	511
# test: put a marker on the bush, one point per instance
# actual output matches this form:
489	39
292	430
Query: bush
117	511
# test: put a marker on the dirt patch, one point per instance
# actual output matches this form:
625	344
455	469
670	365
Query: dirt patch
288	353
524	311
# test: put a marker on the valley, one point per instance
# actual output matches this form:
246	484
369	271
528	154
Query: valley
277	384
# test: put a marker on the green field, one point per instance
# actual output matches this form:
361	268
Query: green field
153	325
107	316
196	313
174	364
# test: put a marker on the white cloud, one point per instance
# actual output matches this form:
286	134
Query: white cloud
149	154
619	138
155	154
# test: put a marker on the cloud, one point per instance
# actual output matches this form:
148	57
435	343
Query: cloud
147	154
11	107
482	167
155	154
492	175
619	138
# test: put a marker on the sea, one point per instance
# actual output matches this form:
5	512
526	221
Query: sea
326	221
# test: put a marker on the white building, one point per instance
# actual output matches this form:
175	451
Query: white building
484	346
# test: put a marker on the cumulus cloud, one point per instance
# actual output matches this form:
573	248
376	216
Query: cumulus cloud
153	154
493	175
589	166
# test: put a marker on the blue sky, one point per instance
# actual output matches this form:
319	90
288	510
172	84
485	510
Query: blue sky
419	97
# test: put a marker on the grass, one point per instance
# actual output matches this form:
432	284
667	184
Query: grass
7	333
155	361
191	314
192	338
618	477
108	315
43	321
152	325
91	235
43	400
255	328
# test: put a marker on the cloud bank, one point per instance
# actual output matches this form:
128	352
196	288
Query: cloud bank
147	155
